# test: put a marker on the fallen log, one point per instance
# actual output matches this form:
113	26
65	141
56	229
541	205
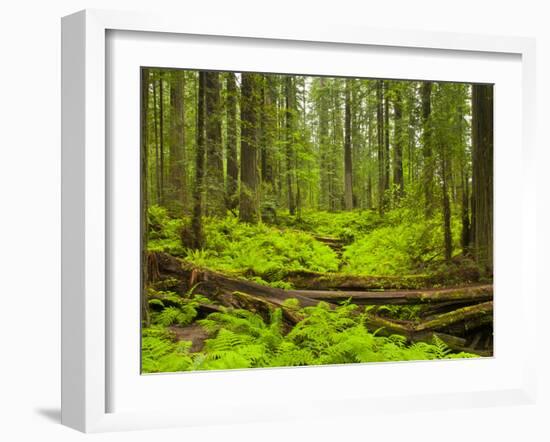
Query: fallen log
239	293
469	294
335	244
226	291
342	281
472	316
305	280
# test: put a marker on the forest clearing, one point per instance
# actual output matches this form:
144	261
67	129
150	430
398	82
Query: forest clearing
295	220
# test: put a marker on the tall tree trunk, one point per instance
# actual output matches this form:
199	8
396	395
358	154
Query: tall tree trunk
427	171
447	235
289	96
145	82
270	108
214	156
157	142
348	173
232	160
464	189
323	147
197	240
386	138
380	144
177	172
465	213
412	124
370	141
161	138
248	209
482	174
398	143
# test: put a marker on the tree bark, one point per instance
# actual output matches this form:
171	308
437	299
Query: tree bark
289	135
447	234
324	197
348	172
232	160
427	170
145	83
161	137
157	143
398	144
482	175
386	140
197	237
380	145
214	158
177	172
248	208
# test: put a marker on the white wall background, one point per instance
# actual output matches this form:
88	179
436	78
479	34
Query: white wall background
30	215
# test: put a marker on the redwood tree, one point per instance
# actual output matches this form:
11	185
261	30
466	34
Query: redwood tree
482	174
348	173
248	207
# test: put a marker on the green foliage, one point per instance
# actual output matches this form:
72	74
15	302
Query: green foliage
343	225
168	308
160	354
254	251
164	232
404	312
242	339
405	244
264	251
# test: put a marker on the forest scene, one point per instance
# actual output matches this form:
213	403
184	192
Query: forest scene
293	220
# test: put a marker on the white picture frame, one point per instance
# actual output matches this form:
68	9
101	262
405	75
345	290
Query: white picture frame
87	352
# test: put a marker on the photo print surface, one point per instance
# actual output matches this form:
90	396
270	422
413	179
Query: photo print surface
292	220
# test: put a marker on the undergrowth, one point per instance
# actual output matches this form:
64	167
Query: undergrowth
243	339
400	243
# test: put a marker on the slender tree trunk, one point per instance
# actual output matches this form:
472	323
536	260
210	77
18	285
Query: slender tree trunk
447	234
271	129
157	142
427	178
214	156
177	172
464	186
323	147
465	237
348	172
232	160
248	209
380	144
289	94
161	137
482	175
145	83
398	144
265	128
369	152
198	192
386	137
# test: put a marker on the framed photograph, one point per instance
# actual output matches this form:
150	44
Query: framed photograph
250	213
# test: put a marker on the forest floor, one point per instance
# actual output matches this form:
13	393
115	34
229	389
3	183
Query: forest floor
299	293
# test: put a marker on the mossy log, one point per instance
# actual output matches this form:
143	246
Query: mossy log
224	290
452	327
468	294
305	280
471	316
